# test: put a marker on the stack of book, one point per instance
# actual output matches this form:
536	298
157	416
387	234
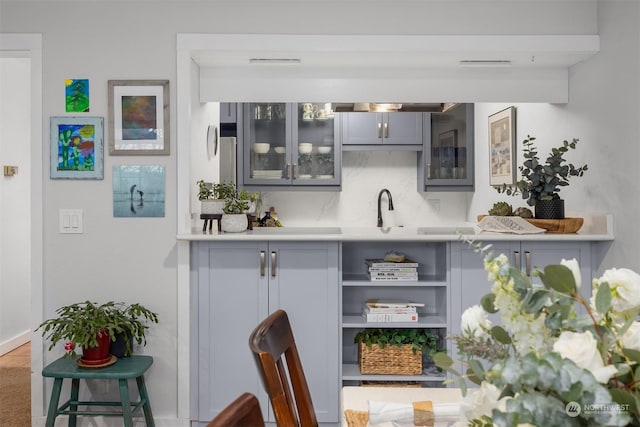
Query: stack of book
388	311
380	270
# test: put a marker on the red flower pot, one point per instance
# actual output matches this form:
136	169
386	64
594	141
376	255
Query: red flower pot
100	354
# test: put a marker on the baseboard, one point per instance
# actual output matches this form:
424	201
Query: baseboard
100	421
15	342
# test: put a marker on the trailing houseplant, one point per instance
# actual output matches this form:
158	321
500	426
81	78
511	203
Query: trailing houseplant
541	182
84	323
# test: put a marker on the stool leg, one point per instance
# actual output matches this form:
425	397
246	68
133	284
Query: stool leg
53	404
146	407
126	402
75	387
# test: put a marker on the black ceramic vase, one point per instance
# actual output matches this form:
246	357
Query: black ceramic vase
549	209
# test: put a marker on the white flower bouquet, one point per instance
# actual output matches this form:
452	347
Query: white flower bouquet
550	363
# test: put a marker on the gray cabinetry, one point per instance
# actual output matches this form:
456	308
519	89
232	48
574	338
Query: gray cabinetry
382	131
280	147
467	268
238	285
446	160
432	289
228	112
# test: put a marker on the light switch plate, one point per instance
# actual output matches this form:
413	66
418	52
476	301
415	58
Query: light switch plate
71	221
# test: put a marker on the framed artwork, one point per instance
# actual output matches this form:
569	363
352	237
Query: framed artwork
77	147
76	95
502	148
139	117
138	191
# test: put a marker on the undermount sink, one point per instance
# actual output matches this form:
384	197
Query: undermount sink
297	230
446	230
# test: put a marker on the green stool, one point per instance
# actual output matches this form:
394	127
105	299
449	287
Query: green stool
124	369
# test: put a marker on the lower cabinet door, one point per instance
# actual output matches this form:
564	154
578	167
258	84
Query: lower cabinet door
470	277
236	292
232	299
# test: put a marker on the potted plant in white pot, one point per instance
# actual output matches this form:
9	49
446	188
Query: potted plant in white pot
236	208
541	182
94	327
212	196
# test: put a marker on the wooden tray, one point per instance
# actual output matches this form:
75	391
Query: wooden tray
554	226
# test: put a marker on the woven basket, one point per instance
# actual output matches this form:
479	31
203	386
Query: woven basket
390	360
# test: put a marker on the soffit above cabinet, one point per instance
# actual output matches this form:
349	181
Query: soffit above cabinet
461	68
437	51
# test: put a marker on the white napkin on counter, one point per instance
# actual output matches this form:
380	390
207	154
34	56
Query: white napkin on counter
401	414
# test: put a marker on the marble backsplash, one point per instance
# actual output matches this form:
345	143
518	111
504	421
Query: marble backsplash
364	174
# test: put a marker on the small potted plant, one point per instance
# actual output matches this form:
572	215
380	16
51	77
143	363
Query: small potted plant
238	204
541	182
94	327
212	196
395	351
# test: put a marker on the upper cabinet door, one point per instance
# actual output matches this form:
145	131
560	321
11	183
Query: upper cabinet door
266	144
371	130
290	145
228	112
402	128
361	128
446	160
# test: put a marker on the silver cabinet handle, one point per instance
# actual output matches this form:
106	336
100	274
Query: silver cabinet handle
287	171
262	263
386	130
379	130
527	260
516	259
428	170
273	264
294	169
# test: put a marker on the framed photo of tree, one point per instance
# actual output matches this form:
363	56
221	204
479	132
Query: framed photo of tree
139	117
502	149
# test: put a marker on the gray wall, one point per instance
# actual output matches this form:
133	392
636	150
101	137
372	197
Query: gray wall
135	259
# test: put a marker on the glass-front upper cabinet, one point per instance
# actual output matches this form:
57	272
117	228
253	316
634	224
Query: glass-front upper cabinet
292	144
446	160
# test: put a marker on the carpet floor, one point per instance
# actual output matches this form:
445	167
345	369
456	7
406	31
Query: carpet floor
15	388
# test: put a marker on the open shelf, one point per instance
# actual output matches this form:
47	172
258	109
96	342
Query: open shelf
351	372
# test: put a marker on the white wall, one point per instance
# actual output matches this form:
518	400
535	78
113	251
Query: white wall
15	133
135	259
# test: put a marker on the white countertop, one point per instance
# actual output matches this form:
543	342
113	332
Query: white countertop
595	228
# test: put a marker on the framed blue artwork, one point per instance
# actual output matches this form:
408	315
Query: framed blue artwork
77	148
138	191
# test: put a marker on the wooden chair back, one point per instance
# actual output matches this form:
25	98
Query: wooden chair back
280	368
243	412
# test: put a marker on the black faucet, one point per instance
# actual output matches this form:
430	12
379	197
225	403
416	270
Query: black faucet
384	190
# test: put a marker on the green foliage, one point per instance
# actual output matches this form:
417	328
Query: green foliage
233	205
238	202
547	355
220	191
543	181
540	388
501	209
80	322
420	339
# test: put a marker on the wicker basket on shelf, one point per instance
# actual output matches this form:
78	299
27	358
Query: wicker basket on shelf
389	360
